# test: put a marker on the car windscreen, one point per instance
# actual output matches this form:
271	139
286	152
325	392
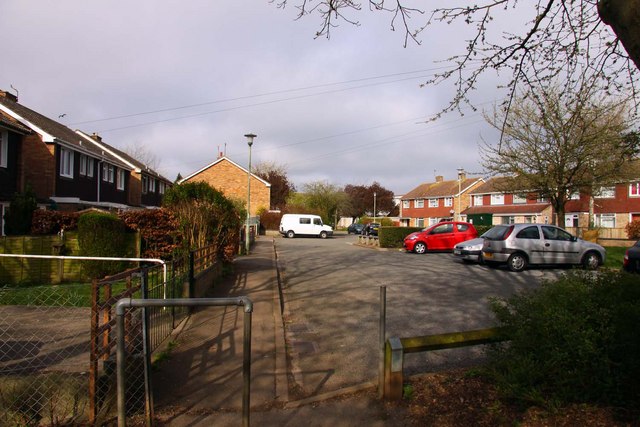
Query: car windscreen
496	233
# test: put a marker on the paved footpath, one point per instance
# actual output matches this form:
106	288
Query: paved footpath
201	383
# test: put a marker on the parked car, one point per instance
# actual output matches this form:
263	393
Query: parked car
631	262
371	229
441	236
355	228
470	250
519	245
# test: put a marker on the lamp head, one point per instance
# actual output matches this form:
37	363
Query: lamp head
250	137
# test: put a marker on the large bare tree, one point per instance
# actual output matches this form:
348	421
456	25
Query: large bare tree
562	39
557	144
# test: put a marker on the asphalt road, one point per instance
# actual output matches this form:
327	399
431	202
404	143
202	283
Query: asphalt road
332	307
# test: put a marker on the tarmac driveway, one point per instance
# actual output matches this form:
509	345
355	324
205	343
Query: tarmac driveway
331	292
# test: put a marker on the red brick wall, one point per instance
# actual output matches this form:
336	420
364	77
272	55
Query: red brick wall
37	166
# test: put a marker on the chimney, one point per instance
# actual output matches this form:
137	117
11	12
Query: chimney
463	176
439	178
96	137
9	96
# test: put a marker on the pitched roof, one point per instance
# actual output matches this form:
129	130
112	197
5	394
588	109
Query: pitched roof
491	185
224	158
9	122
440	189
121	155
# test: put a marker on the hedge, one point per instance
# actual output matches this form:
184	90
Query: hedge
393	237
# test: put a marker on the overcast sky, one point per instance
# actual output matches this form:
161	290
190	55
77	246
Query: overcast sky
186	79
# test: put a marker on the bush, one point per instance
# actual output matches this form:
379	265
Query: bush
51	222
633	229
18	219
481	229
101	234
270	220
573	340
158	231
393	237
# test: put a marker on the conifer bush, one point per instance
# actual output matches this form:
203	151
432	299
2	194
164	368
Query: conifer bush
102	234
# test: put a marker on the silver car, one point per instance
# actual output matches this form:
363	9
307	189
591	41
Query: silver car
519	245
470	250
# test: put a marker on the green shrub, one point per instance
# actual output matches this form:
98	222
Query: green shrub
101	234
392	237
481	229
573	340
18	218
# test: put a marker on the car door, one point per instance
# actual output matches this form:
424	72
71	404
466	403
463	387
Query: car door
530	241
559	246
441	237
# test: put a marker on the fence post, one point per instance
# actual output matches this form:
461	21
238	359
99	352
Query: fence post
382	327
146	349
394	359
192	276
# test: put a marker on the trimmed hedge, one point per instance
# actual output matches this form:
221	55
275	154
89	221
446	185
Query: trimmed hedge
104	235
393	237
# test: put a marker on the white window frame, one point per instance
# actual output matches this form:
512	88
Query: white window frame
406	204
120	179
419	222
418	203
497	199
634	189
4	149
145	184
574	196
508	220
152	185
434	203
108	172
448	201
519	199
605	193
66	163
161	187
478	200
433	221
606	220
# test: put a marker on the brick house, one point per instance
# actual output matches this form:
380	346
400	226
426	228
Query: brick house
64	169
490	206
432	202
232	179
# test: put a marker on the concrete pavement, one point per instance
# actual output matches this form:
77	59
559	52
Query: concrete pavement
201	383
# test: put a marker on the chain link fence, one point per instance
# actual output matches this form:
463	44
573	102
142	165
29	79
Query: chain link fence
58	343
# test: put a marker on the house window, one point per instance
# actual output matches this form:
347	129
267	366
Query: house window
634	189
107	172
508	220
519	199
419	222
448	201
541	199
86	165
145	184
606	220
121	178
406	204
605	193
529	219
152	185
418	203
433	221
4	148
497	199
477	200
433	203
66	163
161	187
574	196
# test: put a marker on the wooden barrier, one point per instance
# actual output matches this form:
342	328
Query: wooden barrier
397	347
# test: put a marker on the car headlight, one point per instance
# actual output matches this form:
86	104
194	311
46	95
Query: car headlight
412	237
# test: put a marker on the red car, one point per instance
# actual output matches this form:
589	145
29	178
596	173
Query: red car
441	236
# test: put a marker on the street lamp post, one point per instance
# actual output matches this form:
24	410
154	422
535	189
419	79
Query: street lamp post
247	240
460	171
374	206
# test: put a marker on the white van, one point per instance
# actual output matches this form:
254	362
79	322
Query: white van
304	225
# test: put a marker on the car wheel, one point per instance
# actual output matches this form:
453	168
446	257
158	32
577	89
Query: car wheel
291	234
517	262
420	248
591	261
323	234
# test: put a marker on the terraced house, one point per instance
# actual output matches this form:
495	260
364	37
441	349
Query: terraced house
432	202
67	169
